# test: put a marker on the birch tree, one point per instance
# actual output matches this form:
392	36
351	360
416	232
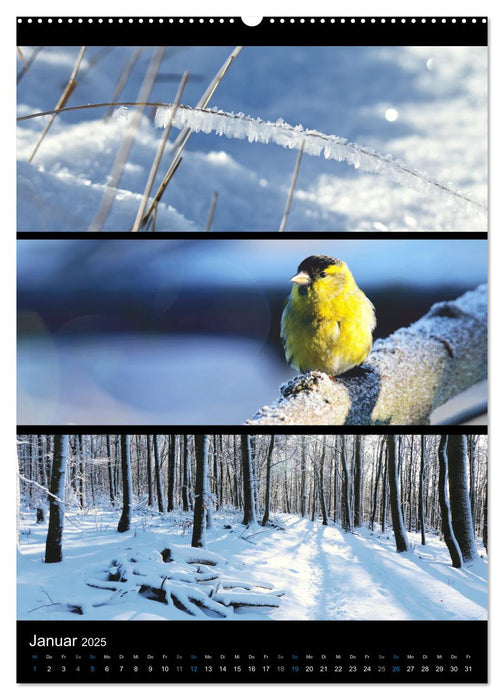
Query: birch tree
200	495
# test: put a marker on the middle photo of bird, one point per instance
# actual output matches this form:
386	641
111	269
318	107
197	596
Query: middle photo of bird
328	322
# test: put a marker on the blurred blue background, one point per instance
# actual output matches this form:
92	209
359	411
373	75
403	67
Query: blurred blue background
187	331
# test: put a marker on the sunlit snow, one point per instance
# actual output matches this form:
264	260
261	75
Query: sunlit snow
323	573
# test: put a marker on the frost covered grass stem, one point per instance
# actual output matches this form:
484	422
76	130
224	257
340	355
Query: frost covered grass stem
183	138
159	154
212	87
70	87
238	126
94	105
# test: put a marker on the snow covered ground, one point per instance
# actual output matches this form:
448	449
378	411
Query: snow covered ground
325	574
426	106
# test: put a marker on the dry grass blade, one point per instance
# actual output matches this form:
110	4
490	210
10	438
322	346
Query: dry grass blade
21	56
124	150
27	62
95	105
123	79
291	189
71	85
184	135
211	211
159	155
209	92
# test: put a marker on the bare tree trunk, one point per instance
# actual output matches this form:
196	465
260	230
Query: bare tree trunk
485	518
421	490
110	472
200	496
81	482
462	523
384	501
357	481
125	520
286	494
401	538
249	511
303	476
221	473
157	468
171	474
54	541
335	488
347	512
410	487
267	498
323	508
41	462
377	484
314	494
449	536
208	492
216	480
471	445
150	484
185	475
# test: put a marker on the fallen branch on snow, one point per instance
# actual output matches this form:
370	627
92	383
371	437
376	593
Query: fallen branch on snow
181	576
406	376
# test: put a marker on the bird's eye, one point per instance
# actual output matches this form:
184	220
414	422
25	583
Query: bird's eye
323	274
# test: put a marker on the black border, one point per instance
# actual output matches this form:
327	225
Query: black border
310	636
244	235
272	31
313	643
111	429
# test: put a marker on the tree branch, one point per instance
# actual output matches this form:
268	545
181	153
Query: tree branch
406	376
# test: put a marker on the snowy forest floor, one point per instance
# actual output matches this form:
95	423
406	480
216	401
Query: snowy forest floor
325	574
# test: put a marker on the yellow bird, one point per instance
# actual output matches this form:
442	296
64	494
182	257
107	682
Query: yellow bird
327	322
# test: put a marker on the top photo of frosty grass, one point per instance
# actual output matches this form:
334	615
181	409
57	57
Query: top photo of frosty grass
264	138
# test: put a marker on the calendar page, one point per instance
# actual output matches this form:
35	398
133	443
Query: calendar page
257	455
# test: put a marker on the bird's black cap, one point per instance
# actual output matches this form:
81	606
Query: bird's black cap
316	264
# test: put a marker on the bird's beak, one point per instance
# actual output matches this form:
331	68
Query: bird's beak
302	278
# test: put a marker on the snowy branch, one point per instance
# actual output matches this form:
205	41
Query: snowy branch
314	143
406	376
42	488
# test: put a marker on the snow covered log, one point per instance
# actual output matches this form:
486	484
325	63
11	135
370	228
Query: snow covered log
181	576
406	376
190	555
252	600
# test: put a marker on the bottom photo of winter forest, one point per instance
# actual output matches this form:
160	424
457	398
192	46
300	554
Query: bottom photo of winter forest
252	527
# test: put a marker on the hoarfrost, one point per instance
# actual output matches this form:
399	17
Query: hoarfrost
315	143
